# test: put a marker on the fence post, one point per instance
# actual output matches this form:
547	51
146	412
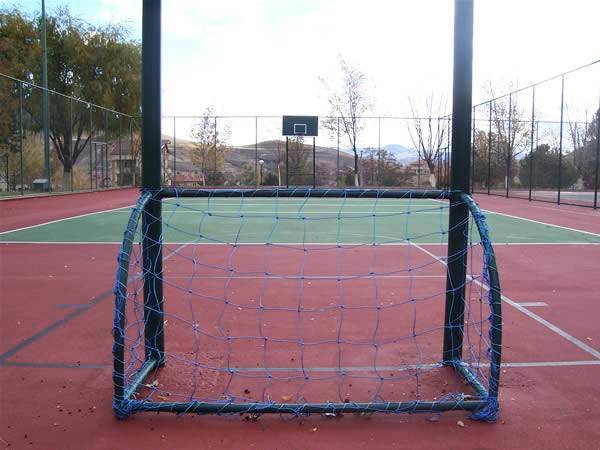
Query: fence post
448	155
489	173
71	143
21	136
509	149
458	225
120	175
175	151
256	150
215	154
531	146
597	158
131	146
105	159
90	148
379	151
338	154
560	143
473	150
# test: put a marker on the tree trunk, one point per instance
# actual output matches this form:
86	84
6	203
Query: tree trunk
67	179
356	180
432	177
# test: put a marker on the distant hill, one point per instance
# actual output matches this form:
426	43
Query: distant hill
269	151
273	150
403	154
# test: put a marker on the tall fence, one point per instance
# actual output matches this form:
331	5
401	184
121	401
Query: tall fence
250	151
541	142
91	147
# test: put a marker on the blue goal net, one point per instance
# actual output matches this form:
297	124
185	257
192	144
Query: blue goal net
305	301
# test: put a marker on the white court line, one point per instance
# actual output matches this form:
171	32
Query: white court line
403	368
296	244
496	244
532	304
582	345
63	219
541	223
589	213
239	244
531	220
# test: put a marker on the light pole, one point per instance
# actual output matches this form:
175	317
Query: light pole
45	107
261	163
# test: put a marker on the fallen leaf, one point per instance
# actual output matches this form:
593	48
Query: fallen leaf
286	398
314	429
460	423
162	397
435	418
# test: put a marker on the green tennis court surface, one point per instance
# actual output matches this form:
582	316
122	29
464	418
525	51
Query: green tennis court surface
259	220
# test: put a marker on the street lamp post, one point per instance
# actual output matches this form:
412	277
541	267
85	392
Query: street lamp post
261	163
45	101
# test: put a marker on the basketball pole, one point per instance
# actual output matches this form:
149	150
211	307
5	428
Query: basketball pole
287	162
151	182
458	229
314	155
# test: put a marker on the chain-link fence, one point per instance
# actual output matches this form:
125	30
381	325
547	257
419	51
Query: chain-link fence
250	151
90	147
541	142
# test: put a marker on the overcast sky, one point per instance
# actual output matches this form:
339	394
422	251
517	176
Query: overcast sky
265	57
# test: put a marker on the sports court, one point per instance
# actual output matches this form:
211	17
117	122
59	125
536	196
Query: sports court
284	294
58	266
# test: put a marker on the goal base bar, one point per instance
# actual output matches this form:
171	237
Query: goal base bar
127	406
310	408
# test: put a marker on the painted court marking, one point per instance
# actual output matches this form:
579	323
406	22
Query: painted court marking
63	219
75	312
541	223
524	365
431	200
290	244
532	304
582	345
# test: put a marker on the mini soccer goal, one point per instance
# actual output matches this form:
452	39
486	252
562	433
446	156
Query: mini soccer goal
305	301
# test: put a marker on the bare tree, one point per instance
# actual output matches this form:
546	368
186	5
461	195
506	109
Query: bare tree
209	146
512	131
428	132
348	104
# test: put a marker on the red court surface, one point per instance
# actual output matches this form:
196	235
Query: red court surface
55	349
580	218
33	210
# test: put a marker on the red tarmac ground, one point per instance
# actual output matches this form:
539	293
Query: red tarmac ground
580	218
23	212
56	309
